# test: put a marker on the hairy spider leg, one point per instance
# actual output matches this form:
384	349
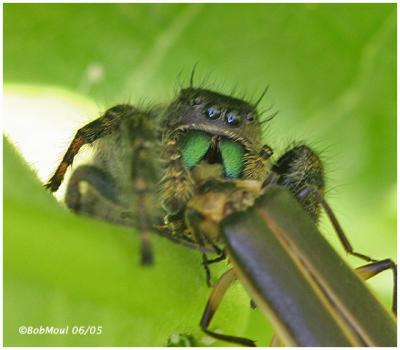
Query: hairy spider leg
91	132
131	139
300	170
176	183
99	198
145	175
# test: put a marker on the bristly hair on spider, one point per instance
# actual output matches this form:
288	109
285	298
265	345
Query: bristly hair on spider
205	83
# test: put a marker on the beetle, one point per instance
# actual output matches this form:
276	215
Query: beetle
153	167
300	283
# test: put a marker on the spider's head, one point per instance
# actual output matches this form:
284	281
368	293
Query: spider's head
214	128
215	114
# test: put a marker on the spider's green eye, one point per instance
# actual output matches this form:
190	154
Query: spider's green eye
213	112
232	154
194	146
233	118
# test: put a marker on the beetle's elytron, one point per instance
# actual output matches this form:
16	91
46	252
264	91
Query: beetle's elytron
151	166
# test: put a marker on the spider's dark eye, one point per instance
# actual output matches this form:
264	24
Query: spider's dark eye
249	117
233	118
213	112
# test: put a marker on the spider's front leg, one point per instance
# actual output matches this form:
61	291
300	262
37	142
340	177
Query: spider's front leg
119	185
177	185
91	132
91	191
300	170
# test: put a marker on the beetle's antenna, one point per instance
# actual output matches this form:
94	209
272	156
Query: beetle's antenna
262	95
192	74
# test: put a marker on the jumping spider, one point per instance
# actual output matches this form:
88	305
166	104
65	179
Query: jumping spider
149	163
153	167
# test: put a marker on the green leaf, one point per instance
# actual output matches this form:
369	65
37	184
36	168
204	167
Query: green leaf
62	270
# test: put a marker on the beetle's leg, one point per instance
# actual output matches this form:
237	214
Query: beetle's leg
214	301
193	220
207	262
374	268
219	258
96	129
206	269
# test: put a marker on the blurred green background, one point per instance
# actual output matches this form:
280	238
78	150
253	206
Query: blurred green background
332	75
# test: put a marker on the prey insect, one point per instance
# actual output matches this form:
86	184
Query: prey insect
190	169
303	287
